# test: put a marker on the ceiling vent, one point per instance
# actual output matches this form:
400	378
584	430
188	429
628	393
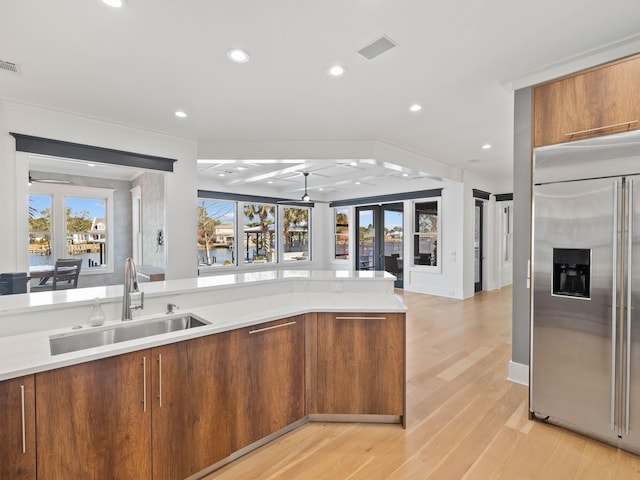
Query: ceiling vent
377	48
9	67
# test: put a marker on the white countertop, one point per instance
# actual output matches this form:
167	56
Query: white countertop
30	352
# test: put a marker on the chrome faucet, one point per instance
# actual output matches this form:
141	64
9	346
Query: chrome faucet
132	297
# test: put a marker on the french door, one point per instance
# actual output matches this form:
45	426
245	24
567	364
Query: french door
381	239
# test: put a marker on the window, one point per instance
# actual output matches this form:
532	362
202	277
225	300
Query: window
71	222
426	234
40	233
259	233
341	234
295	233
216	233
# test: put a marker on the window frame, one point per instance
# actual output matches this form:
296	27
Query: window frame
281	241
416	235
59	194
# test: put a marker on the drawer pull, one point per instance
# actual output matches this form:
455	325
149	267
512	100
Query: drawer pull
361	318
590	130
24	440
271	328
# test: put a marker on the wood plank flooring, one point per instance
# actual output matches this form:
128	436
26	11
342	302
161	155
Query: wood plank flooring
464	421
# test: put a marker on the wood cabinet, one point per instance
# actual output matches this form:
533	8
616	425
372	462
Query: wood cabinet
272	366
194	392
361	363
94	420
17	429
599	101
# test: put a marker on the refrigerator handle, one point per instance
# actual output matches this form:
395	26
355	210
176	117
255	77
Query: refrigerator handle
628	302
614	288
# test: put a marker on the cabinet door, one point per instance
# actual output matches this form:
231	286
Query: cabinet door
17	429
600	101
361	363
94	421
193	400
273	368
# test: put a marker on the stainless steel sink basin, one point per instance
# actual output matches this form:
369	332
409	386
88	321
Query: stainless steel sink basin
65	343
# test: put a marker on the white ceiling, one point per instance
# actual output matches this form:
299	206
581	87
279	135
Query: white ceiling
138	64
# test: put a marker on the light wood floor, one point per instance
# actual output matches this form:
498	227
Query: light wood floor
465	420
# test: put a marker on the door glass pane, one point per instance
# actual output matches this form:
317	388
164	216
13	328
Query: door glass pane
393	235
426	231
40	246
216	233
366	240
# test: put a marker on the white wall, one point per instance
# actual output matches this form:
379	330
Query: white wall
180	185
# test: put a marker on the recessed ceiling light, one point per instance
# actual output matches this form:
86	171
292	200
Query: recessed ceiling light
486	146
354	164
357	183
270	181
114	3
180	114
221	174
405	174
415	107
237	55
336	70
91	164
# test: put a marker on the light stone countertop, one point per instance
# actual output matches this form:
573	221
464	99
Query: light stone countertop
29	353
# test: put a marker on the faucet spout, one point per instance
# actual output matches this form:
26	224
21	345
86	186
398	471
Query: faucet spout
132	297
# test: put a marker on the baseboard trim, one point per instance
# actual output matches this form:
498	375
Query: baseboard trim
518	373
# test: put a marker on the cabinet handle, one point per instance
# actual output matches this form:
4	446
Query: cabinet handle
361	318
24	440
144	383
160	379
271	328
590	130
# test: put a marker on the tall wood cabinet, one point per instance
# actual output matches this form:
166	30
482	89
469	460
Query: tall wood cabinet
361	363
599	101
94	420
17	429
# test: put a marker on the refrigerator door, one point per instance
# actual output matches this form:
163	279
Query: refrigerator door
573	351
632	318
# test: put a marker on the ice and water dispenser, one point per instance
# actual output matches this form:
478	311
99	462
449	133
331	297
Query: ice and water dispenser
572	272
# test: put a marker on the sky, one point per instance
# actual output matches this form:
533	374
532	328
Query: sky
95	207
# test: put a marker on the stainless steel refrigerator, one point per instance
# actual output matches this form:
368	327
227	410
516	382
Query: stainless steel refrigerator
585	325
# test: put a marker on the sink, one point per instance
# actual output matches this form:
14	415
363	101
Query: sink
65	343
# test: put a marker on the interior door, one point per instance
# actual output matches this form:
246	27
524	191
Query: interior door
477	247
381	239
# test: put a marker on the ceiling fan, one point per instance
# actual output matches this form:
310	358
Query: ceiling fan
50	181
305	198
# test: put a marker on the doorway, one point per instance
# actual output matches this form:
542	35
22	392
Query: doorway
477	246
381	239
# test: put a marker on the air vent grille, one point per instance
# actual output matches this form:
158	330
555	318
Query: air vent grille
377	48
9	67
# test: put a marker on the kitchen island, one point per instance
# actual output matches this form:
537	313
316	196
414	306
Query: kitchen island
279	349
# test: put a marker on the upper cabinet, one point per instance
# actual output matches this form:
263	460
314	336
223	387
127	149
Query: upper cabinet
599	101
